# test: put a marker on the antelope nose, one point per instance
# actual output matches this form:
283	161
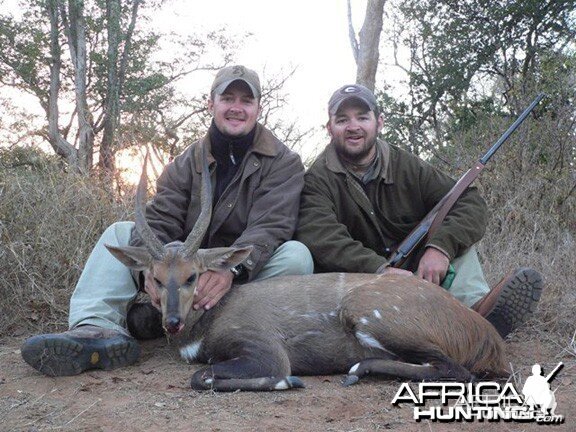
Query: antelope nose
173	325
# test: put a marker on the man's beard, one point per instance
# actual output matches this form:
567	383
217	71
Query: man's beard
357	156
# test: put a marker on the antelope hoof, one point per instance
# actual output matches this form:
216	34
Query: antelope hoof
201	380
294	382
350	380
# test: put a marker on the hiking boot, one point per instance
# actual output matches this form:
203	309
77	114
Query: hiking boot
144	321
512	300
85	347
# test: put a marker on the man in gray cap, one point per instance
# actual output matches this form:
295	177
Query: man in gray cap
256	194
362	197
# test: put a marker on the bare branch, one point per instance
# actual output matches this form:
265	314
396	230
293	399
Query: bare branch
352	34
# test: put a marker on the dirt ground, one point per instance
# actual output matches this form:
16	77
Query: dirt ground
154	395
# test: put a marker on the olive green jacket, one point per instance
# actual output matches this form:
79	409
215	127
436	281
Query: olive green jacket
349	232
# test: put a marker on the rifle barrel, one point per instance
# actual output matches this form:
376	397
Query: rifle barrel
556	369
511	129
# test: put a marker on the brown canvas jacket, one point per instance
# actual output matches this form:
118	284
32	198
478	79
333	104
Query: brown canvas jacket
349	232
259	207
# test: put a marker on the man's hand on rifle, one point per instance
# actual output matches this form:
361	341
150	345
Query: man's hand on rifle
433	265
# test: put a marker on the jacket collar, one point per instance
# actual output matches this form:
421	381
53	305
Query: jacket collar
333	161
265	143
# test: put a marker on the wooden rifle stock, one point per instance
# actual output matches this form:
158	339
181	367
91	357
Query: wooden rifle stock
435	217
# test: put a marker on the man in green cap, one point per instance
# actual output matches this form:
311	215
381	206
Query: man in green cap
256	194
362	197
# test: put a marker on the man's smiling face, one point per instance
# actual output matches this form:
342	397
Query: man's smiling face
353	129
235	111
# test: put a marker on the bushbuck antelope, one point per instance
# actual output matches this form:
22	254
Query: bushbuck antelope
262	333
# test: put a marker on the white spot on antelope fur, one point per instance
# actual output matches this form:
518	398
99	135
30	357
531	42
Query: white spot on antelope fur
364	320
396	308
377	313
191	351
313	333
353	369
319	316
368	341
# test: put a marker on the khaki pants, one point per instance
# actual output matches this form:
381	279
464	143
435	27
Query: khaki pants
106	288
469	284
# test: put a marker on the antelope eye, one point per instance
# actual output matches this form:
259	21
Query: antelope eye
191	279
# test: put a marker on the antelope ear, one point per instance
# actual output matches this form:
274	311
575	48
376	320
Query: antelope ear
135	258
219	259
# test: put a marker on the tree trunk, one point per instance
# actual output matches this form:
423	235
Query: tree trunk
365	50
77	38
62	147
106	161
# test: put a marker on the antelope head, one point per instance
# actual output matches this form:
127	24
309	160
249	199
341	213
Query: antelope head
172	270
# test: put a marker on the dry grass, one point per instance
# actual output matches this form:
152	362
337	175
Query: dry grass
529	188
49	222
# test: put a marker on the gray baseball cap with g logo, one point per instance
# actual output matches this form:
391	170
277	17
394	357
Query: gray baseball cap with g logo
350	91
229	74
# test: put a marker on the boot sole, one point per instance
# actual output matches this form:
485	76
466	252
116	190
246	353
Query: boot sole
61	355
518	300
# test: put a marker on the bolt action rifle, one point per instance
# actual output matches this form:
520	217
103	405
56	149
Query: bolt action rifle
435	217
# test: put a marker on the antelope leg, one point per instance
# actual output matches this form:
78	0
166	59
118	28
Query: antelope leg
265	369
441	369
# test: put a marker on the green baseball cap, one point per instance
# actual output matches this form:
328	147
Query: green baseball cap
229	74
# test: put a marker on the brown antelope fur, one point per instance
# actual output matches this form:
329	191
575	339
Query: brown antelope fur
262	333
